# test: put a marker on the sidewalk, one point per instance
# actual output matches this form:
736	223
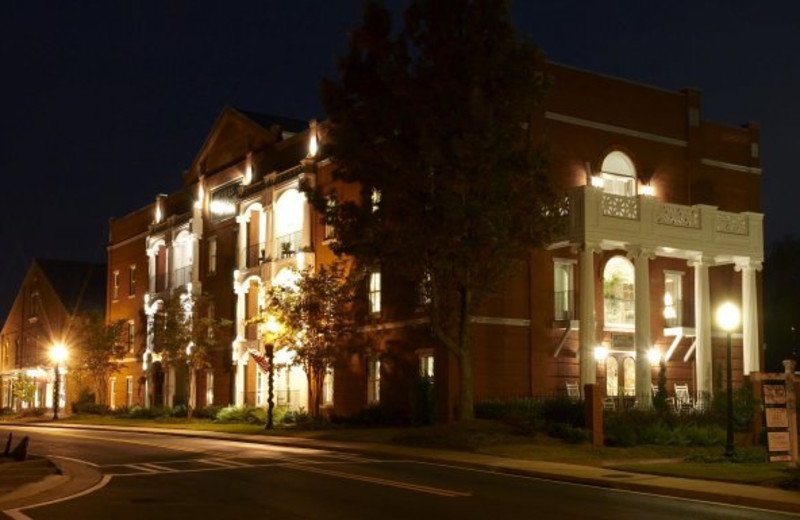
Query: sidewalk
712	491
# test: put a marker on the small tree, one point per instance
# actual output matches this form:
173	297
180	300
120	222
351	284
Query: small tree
436	122
186	333
98	351
24	390
318	320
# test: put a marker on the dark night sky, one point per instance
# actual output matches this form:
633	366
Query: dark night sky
106	103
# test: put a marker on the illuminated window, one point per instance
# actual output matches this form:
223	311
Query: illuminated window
629	376
209	388
673	298
112	393
564	288
375	198
331	207
327	388
131	335
212	256
288	213
260	380
612	376
618	293
115	287
375	292
129	391
222	202
619	175
373	380
426	368
132	280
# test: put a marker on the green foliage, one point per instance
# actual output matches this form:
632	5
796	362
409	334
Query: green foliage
744	407
300	416
137	412
632	427
90	408
209	412
465	436
97	350
316	318
33	412
438	118
792	480
24	388
570	434
242	414
660	403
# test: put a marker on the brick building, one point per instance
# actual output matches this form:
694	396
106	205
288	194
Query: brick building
52	295
662	225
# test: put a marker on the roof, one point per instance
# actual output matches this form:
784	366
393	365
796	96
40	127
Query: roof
81	286
268	121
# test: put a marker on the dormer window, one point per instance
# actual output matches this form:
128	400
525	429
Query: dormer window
618	174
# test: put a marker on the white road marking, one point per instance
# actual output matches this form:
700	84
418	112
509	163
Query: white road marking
17	514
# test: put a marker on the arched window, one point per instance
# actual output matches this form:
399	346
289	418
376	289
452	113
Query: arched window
629	376
619	174
618	293
288	222
612	376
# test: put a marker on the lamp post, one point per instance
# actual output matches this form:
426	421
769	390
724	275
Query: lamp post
58	353
728	320
273	329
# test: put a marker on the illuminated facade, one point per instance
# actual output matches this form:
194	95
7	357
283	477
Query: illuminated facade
51	296
662	224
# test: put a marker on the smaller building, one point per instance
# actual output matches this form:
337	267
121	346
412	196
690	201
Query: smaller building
51	296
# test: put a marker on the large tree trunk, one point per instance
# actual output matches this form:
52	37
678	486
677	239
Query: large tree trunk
101	383
466	404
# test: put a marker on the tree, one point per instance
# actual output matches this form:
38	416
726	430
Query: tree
317	318
98	350
781	303
186	331
436	124
24	390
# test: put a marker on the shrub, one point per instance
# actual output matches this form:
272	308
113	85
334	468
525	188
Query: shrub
242	414
571	434
525	414
90	408
33	412
424	402
209	412
138	412
376	414
565	411
300	416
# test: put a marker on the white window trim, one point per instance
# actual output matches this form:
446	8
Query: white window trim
374	292
115	286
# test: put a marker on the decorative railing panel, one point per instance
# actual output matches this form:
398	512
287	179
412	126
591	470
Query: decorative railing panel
731	223
680	216
620	206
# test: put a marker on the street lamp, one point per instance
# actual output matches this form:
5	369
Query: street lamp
728	320
58	353
272	329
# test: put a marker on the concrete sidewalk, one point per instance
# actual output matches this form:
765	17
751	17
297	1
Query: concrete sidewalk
706	490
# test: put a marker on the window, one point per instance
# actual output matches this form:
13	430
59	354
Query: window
375	198
612	376
129	391
619	175
212	256
327	388
115	286
331	207
222	202
629	376
673	298
373	380
375	292
564	288
131	336
209	388
259	386
288	223
112	397
426	368
132	281
618	294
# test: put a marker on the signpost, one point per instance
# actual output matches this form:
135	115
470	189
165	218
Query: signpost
780	416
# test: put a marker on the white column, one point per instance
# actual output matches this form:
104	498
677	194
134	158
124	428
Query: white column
750	349
242	239
702	325
308	213
643	339
239	390
151	266
587	331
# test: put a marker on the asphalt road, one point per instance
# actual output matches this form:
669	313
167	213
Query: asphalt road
155	477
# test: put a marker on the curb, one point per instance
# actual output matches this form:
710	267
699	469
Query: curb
742	495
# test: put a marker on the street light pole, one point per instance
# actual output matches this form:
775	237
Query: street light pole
56	391
58	353
728	319
270	385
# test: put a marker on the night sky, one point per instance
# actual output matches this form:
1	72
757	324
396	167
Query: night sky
106	103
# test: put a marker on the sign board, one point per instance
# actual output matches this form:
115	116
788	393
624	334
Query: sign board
776	418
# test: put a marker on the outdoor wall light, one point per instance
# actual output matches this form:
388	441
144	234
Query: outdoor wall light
654	356
600	353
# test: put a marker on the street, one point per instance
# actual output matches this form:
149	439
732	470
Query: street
167	477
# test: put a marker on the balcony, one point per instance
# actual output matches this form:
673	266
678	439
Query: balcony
672	230
181	276
288	245
254	254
